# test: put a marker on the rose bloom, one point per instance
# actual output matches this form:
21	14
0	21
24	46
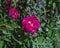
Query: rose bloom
30	24
13	13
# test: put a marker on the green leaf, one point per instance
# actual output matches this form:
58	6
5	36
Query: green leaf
1	23
49	33
40	40
54	5
43	24
12	26
16	40
9	26
0	2
4	32
15	1
1	44
6	39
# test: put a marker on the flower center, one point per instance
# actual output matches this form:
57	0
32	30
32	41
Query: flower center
31	24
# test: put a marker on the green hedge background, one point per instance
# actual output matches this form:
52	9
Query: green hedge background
47	36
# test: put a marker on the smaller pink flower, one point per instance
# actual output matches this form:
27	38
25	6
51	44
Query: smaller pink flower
13	13
30	24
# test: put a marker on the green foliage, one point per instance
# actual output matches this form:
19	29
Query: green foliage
47	36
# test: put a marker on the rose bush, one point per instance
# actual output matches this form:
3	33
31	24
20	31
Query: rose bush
29	24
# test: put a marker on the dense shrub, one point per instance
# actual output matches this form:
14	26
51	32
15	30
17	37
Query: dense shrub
29	23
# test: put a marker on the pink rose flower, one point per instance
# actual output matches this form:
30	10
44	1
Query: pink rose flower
30	24
13	13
